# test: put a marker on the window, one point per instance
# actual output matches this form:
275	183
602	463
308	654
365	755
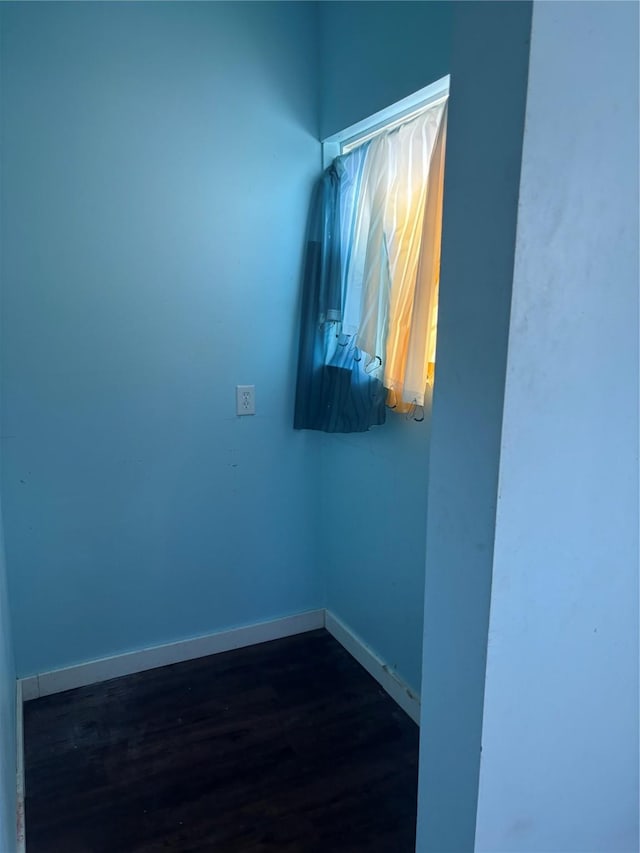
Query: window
372	271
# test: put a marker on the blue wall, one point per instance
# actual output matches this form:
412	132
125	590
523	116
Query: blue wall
7	717
375	484
374	54
7	697
488	92
374	490
156	167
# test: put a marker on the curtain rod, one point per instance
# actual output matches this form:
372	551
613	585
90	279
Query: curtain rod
386	127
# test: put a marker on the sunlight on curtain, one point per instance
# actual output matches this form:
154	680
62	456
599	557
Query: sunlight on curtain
370	289
406	170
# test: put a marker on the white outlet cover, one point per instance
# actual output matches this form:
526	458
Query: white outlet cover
245	400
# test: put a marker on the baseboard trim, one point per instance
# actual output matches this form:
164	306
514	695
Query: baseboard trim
399	691
80	675
20	824
56	681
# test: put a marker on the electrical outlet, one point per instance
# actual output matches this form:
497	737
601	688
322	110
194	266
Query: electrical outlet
245	399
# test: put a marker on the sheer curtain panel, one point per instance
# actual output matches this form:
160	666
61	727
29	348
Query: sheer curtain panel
371	278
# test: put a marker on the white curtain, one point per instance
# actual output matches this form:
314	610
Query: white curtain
392	262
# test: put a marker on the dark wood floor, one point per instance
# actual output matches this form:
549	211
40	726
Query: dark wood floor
288	746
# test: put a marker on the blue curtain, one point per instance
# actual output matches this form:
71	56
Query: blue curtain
337	389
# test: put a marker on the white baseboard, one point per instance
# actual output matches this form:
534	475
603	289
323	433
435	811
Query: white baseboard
56	681
29	687
20	825
46	683
375	666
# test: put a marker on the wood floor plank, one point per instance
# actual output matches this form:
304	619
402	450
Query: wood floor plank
288	746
